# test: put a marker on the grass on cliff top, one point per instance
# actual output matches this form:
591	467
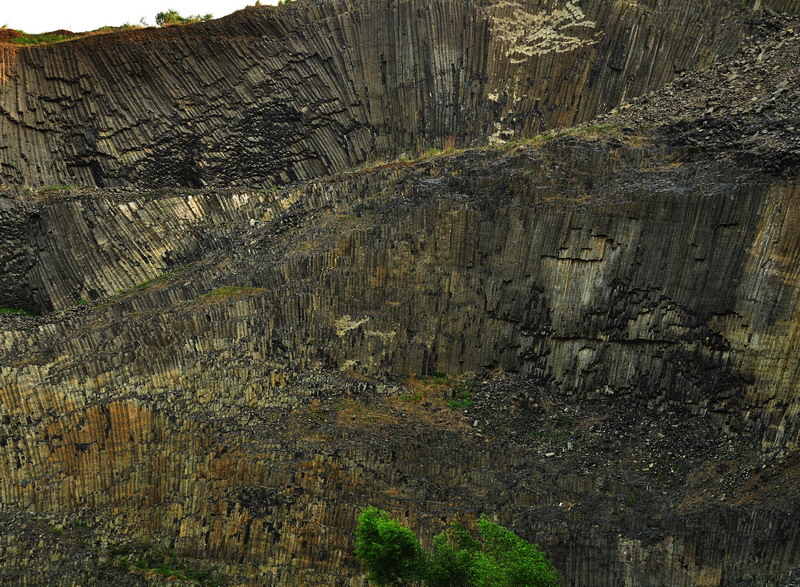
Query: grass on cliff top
18	37
41	39
163	19
225	293
174	18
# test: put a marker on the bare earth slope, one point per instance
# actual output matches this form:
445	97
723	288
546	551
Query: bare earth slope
590	334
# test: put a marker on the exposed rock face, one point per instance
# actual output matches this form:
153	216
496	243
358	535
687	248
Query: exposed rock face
559	258
274	95
223	372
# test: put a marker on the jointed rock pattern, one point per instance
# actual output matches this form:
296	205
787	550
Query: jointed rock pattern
242	340
280	95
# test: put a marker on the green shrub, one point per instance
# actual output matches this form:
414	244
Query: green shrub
392	555
507	560
173	17
452	558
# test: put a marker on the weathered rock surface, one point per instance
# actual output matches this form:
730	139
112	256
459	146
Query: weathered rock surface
222	374
275	95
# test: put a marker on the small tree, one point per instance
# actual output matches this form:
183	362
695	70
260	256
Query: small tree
498	558
391	552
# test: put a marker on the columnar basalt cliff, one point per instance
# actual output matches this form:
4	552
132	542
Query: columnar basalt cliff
284	94
590	334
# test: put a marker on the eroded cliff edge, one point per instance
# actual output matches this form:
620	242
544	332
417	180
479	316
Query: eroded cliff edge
225	371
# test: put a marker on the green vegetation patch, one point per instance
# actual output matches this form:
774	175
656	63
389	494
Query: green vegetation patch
462	396
558	432
173	17
583	132
591	131
126	293
17	311
166	278
42	38
492	557
115	29
451	390
142	558
595	129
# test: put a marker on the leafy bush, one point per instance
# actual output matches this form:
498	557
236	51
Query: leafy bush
497	558
173	17
451	561
507	560
391	552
